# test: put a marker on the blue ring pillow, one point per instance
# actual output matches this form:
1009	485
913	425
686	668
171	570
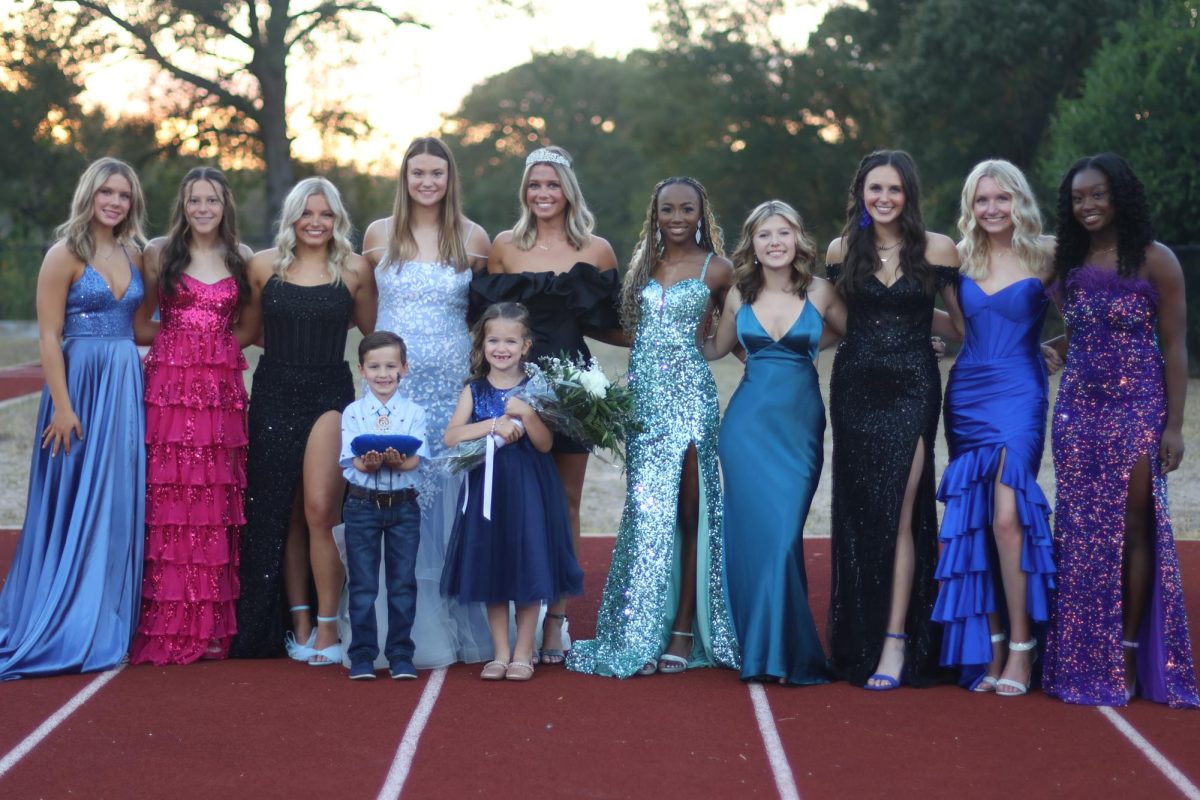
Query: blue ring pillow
366	442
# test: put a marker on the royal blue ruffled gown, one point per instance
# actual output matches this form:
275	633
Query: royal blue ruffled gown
996	404
71	598
771	472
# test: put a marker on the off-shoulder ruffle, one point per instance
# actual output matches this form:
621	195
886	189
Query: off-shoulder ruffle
1091	279
591	295
969	588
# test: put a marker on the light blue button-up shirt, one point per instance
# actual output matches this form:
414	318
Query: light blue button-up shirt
406	419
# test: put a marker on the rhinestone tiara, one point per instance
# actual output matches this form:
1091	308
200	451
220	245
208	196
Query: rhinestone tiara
545	155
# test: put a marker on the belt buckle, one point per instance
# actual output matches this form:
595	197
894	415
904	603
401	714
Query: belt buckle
383	500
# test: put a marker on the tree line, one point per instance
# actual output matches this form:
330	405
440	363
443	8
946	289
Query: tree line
720	98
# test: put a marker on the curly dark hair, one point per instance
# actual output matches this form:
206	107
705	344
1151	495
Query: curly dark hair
1131	216
862	259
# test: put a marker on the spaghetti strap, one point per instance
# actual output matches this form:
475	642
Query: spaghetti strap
704	269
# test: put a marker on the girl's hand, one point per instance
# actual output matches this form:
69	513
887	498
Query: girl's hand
508	430
1054	361
393	458
58	433
516	407
1170	450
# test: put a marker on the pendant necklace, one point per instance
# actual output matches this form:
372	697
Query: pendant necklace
383	422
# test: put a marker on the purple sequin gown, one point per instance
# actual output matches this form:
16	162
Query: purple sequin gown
1110	413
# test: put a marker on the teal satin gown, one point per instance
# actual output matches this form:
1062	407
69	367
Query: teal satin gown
772	450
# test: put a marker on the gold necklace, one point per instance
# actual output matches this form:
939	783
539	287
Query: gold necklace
880	249
1101	252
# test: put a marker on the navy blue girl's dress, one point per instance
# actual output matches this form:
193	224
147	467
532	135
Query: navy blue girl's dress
996	403
524	552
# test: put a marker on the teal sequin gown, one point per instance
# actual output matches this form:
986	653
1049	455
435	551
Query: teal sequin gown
675	401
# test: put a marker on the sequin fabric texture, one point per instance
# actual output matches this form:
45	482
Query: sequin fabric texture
884	397
425	304
195	474
675	400
1110	412
301	375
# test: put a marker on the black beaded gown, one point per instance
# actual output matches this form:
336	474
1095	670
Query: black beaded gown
885	396
301	375
563	306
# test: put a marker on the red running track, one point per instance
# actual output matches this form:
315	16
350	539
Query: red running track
21	379
269	729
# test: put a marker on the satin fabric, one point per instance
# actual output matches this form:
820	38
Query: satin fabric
71	598
771	472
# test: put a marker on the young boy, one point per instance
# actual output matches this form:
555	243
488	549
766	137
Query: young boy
382	504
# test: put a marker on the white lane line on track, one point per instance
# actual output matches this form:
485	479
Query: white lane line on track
785	782
57	718
1172	773
402	763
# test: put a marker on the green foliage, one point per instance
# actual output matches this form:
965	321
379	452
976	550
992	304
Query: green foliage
1141	98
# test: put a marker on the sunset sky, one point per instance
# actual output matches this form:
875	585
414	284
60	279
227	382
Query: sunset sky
407	78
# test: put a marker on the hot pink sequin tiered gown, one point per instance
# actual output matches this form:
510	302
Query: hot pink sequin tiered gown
196	475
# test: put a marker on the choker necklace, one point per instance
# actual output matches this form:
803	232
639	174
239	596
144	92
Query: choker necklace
885	248
1101	252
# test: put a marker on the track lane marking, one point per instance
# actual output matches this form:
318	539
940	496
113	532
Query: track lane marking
785	782
402	763
31	741
1172	773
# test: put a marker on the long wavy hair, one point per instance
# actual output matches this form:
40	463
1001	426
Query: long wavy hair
748	272
650	248
339	248
862	258
974	247
512	311
401	246
177	253
1131	215
76	232
579	222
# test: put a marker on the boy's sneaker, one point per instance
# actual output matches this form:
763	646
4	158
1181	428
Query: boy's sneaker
403	671
362	671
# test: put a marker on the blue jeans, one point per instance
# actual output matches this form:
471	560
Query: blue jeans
400	529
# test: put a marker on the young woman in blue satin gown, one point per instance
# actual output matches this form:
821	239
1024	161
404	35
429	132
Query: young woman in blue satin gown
996	559
772	441
71	598
664	606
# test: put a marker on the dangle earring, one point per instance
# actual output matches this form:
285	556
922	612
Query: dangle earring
699	230
864	220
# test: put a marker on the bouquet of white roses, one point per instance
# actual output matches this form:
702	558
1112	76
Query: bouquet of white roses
575	399
588	406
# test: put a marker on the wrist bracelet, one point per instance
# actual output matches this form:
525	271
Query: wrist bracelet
494	419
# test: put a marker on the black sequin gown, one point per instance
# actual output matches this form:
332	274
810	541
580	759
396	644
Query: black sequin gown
302	374
885	395
563	306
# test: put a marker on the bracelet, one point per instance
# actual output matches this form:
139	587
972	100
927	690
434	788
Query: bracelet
494	420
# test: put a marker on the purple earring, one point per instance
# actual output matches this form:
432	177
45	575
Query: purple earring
864	220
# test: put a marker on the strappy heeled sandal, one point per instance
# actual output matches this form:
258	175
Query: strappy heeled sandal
331	655
669	664
295	650
551	656
887	682
988	682
1008	683
1130	686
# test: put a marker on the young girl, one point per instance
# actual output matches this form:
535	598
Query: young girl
512	540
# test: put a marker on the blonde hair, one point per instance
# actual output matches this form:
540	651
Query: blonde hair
76	232
974	247
649	249
401	246
339	248
748	272
580	221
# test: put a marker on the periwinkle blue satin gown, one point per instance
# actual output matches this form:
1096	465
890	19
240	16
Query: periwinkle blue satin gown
772	450
996	403
71	598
